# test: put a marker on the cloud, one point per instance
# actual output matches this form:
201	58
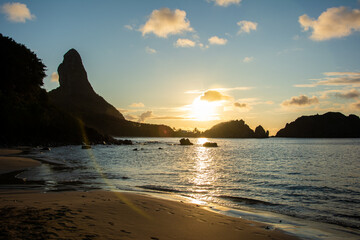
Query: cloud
166	22
212	96
218	89
137	105
335	79
215	40
54	77
129	27
17	12
356	105
170	118
150	50
301	100
225	3
246	26
340	78
183	42
248	59
131	117
240	105
145	115
352	94
335	22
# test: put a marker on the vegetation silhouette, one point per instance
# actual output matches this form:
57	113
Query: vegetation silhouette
235	129
27	116
328	125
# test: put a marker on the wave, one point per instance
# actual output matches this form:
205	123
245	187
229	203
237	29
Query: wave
248	201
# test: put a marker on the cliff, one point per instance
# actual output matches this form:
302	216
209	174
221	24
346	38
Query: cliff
328	125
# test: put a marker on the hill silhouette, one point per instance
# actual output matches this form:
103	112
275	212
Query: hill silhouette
76	96
235	129
27	116
328	125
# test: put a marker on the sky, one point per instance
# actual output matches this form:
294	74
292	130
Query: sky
195	63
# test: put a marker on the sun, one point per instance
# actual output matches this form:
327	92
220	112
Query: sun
204	110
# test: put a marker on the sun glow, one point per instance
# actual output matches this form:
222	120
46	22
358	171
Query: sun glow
204	110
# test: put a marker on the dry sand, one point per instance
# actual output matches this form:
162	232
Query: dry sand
112	215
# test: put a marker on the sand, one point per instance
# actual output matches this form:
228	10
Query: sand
111	215
10	163
28	214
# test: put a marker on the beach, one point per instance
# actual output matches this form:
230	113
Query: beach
29	214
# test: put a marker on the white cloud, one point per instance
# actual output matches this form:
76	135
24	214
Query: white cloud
248	59
301	100
129	27
335	22
54	77
145	115
246	26
166	22
17	12
225	3
183	42
150	50
215	40
137	105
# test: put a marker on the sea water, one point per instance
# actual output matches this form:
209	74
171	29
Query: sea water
309	179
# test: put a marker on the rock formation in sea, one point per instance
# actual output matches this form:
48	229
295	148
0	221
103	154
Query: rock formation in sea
76	96
328	125
235	129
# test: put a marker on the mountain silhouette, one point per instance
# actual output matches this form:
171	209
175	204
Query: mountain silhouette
328	125
235	129
76	96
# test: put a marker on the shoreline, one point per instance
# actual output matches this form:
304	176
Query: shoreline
95	214
115	215
299	228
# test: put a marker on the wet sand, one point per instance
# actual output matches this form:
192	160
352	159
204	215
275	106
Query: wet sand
111	215
9	162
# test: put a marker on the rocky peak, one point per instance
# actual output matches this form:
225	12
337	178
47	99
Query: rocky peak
72	75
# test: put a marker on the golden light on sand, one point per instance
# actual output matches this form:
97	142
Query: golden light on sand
204	110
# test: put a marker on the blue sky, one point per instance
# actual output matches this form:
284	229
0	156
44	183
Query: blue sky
270	61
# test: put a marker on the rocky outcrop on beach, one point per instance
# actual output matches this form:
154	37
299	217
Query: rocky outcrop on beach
235	129
328	125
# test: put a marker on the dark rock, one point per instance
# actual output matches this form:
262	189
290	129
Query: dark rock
260	132
85	147
210	144
135	149
328	125
185	141
234	129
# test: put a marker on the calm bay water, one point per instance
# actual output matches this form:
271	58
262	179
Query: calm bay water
315	179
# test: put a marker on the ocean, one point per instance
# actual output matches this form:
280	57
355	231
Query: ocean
289	183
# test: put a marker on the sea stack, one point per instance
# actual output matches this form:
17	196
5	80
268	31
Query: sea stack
76	95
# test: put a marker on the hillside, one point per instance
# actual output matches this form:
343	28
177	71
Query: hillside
328	125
